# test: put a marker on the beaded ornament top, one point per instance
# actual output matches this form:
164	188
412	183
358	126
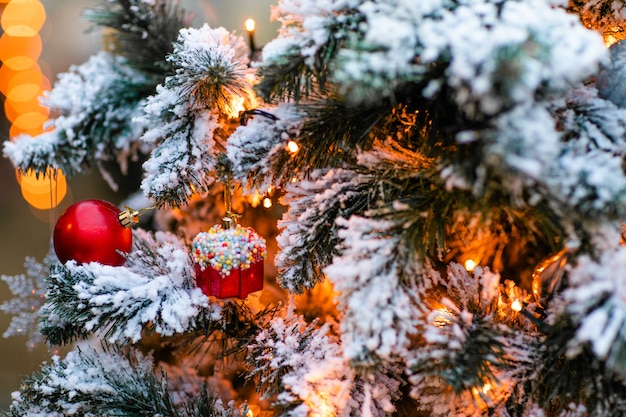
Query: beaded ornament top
227	249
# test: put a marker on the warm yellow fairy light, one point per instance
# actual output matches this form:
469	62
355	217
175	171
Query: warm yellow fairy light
250	25
486	388
470	264
516	305
236	107
323	409
292	146
267	202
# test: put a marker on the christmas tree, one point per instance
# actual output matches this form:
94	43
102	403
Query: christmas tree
448	189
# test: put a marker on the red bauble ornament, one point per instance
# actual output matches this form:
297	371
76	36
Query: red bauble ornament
90	231
229	261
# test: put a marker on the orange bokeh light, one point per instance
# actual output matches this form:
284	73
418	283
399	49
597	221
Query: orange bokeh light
23	18
12	109
45	191
18	52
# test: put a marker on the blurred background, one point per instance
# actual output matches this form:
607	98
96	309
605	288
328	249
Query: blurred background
27	231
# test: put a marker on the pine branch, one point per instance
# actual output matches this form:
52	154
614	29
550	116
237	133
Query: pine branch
235	328
108	384
154	292
28	290
309	238
268	358
183	161
563	379
470	351
190	111
83	132
144	32
258	150
332	131
288	77
301	365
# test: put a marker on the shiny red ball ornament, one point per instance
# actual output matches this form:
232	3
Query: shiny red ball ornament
90	231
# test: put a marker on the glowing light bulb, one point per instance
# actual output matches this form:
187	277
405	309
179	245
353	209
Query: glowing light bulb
250	25
267	202
470	264
292	146
516	306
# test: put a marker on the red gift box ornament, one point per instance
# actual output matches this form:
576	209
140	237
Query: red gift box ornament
229	261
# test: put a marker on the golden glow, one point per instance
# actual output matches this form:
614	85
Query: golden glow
267	202
255	199
236	107
292	146
441	320
19	52
470	264
45	192
23	18
321	407
250	25
516	306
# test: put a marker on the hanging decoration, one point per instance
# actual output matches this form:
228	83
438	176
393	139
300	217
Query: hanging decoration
229	258
90	231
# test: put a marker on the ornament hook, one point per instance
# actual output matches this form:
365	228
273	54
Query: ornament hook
130	217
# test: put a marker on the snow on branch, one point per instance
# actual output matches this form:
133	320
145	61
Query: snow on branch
309	232
304	365
468	344
28	290
373	275
308	237
108	383
595	302
258	151
94	105
155	289
209	87
587	174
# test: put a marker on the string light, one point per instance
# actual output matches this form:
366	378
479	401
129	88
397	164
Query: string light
267	202
470	264
516	306
292	147
250	26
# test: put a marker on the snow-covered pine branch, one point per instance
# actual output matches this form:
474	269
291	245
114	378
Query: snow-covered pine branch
587	175
28	290
308	238
154	290
304	365
469	346
595	302
309	232
373	275
209	87
258	150
108	383
141	31
82	132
